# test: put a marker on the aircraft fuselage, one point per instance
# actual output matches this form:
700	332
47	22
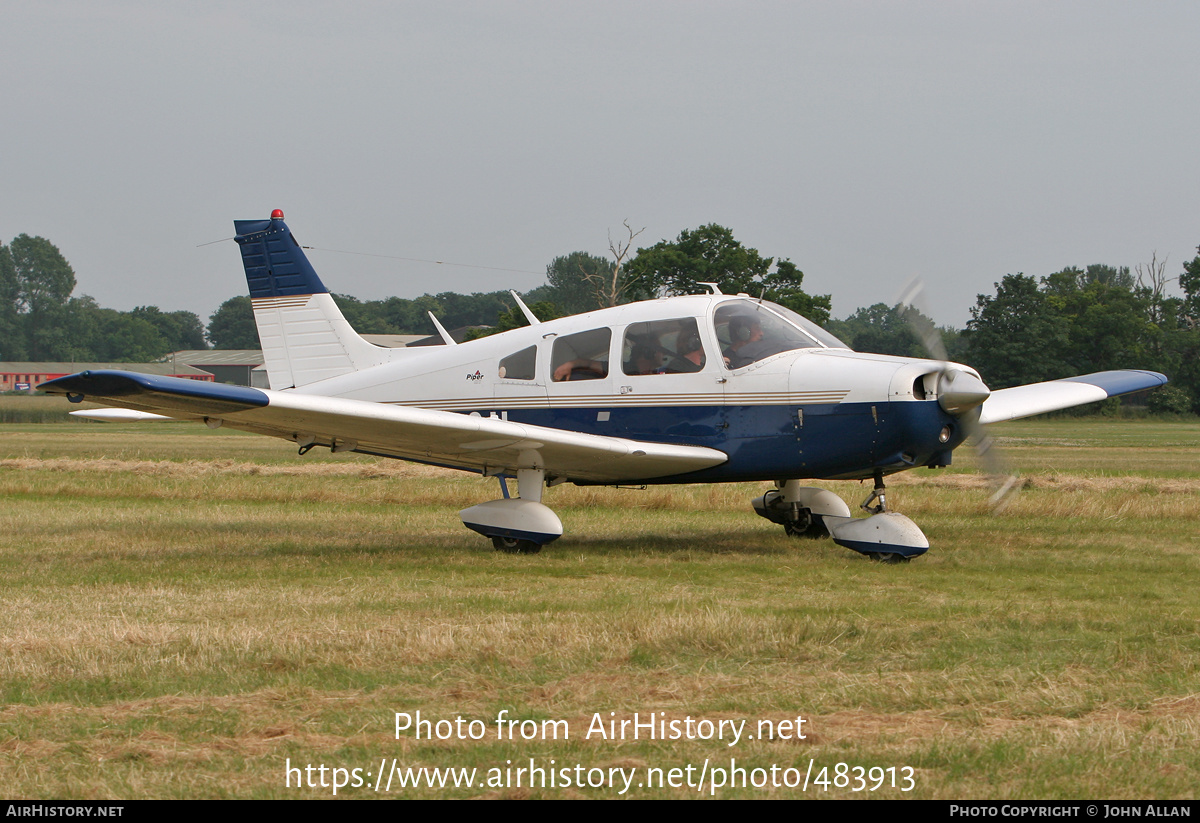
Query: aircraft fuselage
819	411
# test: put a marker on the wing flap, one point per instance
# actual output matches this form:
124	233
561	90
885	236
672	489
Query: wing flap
446	438
1053	395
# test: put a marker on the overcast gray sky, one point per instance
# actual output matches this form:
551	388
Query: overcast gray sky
866	141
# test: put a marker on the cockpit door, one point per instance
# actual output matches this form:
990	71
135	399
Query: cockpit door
579	371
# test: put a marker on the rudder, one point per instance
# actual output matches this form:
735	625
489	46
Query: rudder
305	337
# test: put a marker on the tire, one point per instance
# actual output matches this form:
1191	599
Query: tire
513	545
815	529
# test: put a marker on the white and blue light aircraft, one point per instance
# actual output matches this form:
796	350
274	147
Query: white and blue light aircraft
700	389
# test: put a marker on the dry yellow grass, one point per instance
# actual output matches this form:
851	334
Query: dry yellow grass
197	468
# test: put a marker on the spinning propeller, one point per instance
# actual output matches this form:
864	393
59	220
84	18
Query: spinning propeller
960	394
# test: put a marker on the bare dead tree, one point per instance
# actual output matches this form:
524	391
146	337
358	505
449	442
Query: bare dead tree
1153	278
609	288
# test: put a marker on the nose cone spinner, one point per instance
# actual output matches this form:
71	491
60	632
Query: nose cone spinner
959	392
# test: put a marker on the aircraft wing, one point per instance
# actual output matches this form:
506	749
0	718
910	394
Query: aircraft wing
1039	398
483	444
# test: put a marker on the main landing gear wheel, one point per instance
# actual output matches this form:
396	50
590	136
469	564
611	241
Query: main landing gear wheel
512	545
889	558
802	511
504	521
813	529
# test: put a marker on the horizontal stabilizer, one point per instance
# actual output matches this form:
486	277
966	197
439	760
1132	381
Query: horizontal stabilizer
1053	395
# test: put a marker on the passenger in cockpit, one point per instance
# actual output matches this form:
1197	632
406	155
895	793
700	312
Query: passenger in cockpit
643	360
581	368
691	354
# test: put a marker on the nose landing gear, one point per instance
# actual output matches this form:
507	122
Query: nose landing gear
884	536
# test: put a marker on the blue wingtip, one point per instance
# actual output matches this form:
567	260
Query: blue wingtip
275	264
175	393
1121	382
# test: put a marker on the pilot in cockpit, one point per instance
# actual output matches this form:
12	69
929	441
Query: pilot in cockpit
745	341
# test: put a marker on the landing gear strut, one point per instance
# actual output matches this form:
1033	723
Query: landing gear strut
878	493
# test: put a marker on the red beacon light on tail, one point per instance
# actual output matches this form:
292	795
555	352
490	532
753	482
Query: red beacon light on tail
277	214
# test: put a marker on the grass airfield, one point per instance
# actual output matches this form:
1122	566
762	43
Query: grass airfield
188	611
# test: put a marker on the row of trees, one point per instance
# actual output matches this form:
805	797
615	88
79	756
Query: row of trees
1073	321
575	283
41	321
232	325
1077	321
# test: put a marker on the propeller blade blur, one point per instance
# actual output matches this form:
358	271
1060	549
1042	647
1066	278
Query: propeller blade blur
960	394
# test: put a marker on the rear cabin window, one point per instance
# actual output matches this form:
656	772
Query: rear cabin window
662	347
582	356
519	366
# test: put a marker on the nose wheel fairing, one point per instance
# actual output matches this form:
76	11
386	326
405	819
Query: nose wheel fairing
881	536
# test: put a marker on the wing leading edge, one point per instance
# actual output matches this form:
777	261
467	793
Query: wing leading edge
1053	395
483	444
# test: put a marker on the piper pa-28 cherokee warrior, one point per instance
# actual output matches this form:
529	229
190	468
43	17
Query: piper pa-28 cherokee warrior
700	389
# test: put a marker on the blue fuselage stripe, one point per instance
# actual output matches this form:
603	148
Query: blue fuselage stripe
830	441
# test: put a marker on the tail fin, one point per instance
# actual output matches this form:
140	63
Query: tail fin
304	336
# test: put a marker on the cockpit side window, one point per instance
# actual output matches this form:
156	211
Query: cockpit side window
662	347
582	356
521	365
749	332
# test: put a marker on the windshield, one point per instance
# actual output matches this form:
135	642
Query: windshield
809	326
751	330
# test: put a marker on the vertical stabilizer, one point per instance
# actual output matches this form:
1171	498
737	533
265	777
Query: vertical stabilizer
304	336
